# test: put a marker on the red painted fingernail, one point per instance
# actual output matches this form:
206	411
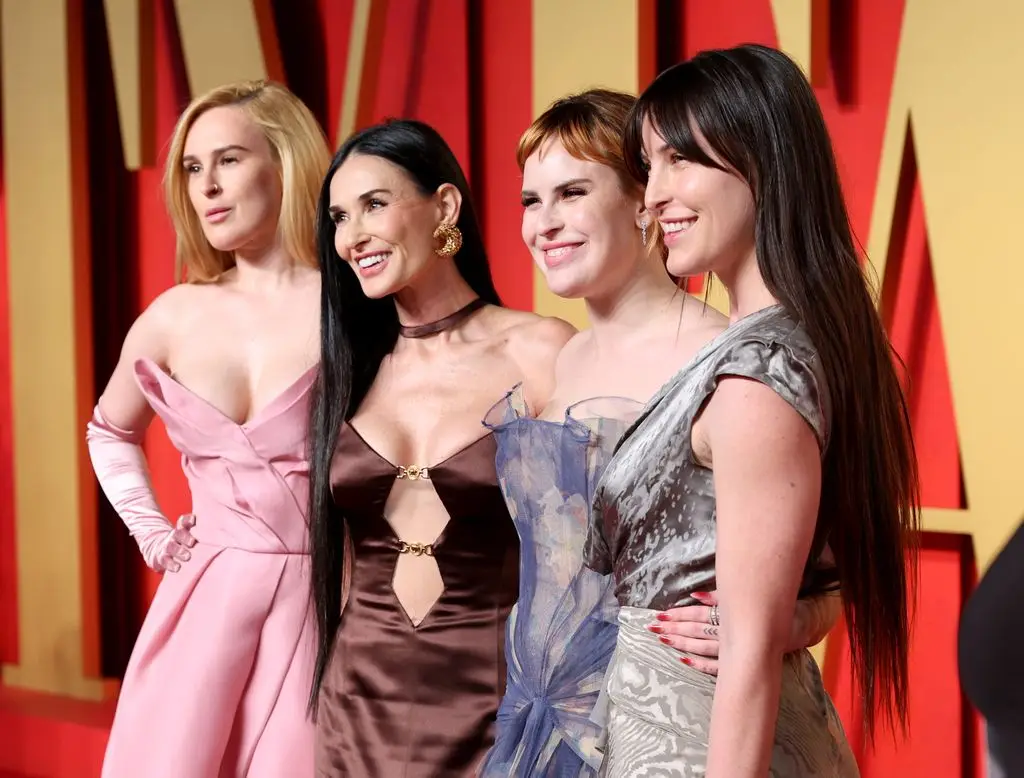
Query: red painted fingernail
662	617
655	629
687	661
701	595
665	640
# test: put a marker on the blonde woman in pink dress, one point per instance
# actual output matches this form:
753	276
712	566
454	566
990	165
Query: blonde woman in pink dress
219	678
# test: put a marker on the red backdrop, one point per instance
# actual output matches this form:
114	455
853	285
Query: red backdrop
465	67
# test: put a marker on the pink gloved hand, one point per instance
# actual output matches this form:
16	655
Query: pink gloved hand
121	470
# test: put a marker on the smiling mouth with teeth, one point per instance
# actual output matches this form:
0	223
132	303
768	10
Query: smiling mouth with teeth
561	251
673	227
373	259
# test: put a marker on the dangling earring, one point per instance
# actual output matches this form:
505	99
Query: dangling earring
643	232
452	237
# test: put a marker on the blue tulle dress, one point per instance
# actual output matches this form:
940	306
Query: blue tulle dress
561	634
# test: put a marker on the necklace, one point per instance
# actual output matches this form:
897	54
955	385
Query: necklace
449	321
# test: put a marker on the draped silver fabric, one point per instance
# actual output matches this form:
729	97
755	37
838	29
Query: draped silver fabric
654	530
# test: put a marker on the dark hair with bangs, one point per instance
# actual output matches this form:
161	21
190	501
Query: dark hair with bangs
752	106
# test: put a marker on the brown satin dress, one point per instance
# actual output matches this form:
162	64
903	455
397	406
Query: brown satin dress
405	701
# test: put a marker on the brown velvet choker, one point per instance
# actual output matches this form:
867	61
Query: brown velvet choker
449	321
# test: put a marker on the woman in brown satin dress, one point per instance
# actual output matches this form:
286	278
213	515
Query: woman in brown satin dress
414	555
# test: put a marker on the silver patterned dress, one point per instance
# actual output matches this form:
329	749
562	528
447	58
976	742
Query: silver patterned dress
653	530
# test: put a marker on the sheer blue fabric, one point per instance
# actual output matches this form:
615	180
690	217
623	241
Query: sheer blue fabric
561	634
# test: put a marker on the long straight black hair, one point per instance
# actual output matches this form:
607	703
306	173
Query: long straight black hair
754	108
356	333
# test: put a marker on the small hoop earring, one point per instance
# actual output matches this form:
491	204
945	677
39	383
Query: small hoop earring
643	233
452	237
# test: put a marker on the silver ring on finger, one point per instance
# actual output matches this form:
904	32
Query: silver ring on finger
713	616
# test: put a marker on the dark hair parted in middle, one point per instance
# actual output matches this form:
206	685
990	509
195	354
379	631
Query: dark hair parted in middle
750	111
357	333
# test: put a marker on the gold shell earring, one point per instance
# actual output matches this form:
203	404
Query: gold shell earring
452	237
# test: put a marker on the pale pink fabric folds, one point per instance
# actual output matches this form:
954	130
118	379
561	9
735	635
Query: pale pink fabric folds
218	681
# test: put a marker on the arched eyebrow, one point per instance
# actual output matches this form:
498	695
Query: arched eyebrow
364	198
218	152
561	187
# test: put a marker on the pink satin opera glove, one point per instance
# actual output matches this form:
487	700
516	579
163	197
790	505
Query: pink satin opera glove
121	470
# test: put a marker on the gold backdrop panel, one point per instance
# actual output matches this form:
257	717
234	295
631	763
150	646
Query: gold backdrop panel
50	342
954	95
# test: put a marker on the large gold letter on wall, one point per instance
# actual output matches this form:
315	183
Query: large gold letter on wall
951	96
227	40
50	340
130	32
802	30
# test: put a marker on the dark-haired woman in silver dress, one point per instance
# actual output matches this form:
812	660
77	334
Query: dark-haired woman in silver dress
786	432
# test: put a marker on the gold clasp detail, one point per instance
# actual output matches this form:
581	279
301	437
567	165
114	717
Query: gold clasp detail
417	549
413	472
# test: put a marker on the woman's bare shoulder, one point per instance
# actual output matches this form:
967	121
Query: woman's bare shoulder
528	330
533	343
702	321
174	315
169	307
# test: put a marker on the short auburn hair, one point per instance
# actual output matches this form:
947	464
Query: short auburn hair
589	125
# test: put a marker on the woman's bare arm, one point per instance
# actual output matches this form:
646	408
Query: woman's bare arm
114	436
122	402
767	474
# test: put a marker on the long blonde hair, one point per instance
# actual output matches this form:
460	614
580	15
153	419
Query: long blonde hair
302	154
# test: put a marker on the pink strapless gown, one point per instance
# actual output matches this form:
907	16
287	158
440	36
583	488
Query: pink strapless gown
219	677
